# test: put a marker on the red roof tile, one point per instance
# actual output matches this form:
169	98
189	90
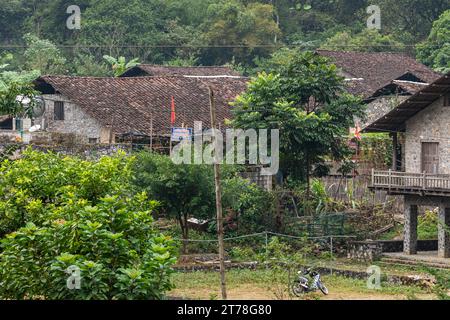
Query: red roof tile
377	69
157	70
129	104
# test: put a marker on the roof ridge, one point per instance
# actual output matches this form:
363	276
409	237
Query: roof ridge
166	66
146	77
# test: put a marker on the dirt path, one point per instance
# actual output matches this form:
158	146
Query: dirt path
249	292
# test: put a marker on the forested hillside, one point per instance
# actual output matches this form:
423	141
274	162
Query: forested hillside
34	35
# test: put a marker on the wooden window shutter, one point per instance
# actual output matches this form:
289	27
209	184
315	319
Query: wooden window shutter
59	110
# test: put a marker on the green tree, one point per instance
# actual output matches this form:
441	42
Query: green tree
182	190
58	211
125	28
246	28
120	65
307	103
15	84
366	41
435	51
87	65
44	56
411	19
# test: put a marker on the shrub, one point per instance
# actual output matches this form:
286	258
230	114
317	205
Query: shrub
188	190
41	180
112	244
427	227
183	190
251	204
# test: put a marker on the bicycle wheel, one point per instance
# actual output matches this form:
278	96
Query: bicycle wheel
298	290
323	288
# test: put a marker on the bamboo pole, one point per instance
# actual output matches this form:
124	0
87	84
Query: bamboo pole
218	202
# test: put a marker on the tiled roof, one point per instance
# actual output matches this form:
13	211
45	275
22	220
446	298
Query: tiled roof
130	104
395	119
377	69
157	70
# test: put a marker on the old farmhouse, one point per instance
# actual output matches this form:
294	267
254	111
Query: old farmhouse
382	79
103	110
107	110
424	120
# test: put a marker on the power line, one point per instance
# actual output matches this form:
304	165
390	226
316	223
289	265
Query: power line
75	46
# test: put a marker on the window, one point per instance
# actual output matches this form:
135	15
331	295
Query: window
59	110
447	100
6	124
93	140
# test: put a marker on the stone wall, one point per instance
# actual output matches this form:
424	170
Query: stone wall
380	107
397	245
76	121
364	251
429	125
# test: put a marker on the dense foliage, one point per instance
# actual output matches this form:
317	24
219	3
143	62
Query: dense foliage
186	191
205	32
60	214
435	51
48	180
304	98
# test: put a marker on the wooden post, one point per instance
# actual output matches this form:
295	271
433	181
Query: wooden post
373	177
218	201
394	150
389	179
424	180
151	132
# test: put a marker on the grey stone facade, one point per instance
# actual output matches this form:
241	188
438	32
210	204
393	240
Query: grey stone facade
444	232
410	240
430	125
76	121
365	251
381	106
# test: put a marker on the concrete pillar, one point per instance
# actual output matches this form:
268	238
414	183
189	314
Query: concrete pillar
410	232
444	232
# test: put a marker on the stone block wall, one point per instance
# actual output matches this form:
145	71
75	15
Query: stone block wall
429	125
365	251
76	121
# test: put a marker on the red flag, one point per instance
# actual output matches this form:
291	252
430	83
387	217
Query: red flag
172	113
358	133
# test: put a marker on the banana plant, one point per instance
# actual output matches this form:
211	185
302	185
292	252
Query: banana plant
119	65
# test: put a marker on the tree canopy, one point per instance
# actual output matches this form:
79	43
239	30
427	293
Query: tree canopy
305	100
206	32
435	51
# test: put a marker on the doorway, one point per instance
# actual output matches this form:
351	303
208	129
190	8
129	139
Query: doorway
430	157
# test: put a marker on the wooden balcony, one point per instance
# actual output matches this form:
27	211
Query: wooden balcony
403	183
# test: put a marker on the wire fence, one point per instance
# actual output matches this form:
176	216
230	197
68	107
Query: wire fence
266	236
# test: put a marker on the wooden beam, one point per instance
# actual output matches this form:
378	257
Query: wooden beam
394	150
429	93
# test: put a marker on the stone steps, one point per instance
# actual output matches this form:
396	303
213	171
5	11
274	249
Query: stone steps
410	262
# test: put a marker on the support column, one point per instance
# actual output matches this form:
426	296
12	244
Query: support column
444	232
394	150
410	232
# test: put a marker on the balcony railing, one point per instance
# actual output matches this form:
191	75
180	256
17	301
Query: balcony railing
411	183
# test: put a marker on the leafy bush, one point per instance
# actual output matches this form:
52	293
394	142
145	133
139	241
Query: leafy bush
64	214
188	190
41	180
113	244
427	225
182	190
251	204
